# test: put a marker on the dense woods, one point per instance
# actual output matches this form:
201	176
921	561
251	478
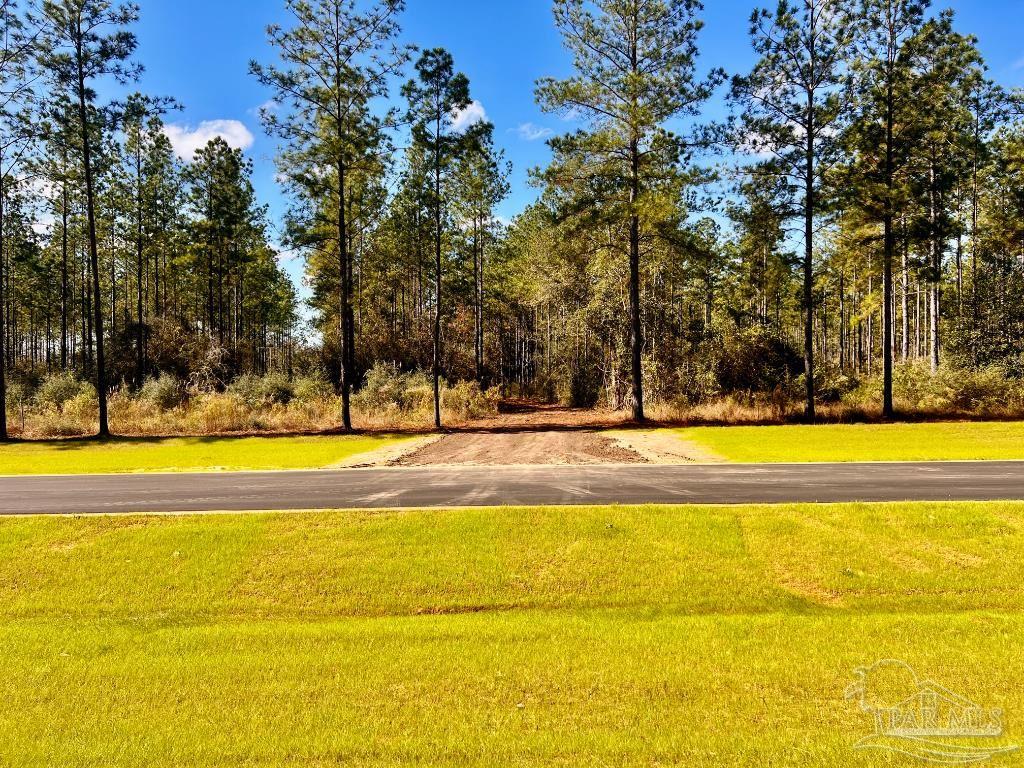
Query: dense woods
851	237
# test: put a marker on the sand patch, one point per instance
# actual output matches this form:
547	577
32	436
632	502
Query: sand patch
663	446
389	455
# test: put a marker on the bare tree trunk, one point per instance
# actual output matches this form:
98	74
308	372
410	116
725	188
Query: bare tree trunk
478	275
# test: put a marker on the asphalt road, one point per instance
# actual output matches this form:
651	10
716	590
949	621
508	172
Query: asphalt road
496	486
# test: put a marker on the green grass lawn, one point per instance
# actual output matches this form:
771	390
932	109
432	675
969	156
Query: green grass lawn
594	636
184	454
959	441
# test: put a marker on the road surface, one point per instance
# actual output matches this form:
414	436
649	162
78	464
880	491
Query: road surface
496	486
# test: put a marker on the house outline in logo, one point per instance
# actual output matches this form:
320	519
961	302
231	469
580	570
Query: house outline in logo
923	719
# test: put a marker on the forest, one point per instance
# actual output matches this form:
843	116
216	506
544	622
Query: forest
847	243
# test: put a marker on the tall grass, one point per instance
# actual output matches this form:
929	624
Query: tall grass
65	407
391	399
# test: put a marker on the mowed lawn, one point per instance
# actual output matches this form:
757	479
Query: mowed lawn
641	636
185	454
940	441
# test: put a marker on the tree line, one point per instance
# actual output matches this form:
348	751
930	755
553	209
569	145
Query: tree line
117	259
860	209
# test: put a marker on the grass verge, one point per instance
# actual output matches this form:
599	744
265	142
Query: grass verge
938	441
186	454
591	636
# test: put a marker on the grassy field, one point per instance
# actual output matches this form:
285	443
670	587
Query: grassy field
595	636
185	454
952	441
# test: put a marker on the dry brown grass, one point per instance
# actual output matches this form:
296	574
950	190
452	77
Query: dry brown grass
229	414
223	414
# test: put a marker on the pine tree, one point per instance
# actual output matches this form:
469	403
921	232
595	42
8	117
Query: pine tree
483	180
635	64
792	104
337	59
84	41
435	98
17	135
884	92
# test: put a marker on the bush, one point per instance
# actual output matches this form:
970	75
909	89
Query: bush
59	389
165	392
390	392
467	401
832	385
751	364
17	393
951	390
221	413
262	391
313	388
584	388
387	387
757	361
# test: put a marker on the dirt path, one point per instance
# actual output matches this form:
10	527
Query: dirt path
531	434
525	415
546	447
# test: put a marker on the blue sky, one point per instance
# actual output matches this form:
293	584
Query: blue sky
198	51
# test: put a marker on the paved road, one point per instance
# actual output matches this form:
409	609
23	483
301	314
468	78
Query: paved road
485	486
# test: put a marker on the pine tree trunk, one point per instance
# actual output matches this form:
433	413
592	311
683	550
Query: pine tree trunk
888	411
905	300
3	310
140	337
64	278
636	327
94	257
345	303
437	282
808	268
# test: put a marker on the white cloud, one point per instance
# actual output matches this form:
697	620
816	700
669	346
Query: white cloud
471	115
572	115
270	106
187	140
531	132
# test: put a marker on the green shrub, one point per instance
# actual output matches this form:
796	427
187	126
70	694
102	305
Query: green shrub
387	386
310	389
832	385
950	390
388	389
756	360
164	392
262	391
466	400
59	389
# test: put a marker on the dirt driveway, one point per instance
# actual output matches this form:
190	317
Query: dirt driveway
526	447
527	434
